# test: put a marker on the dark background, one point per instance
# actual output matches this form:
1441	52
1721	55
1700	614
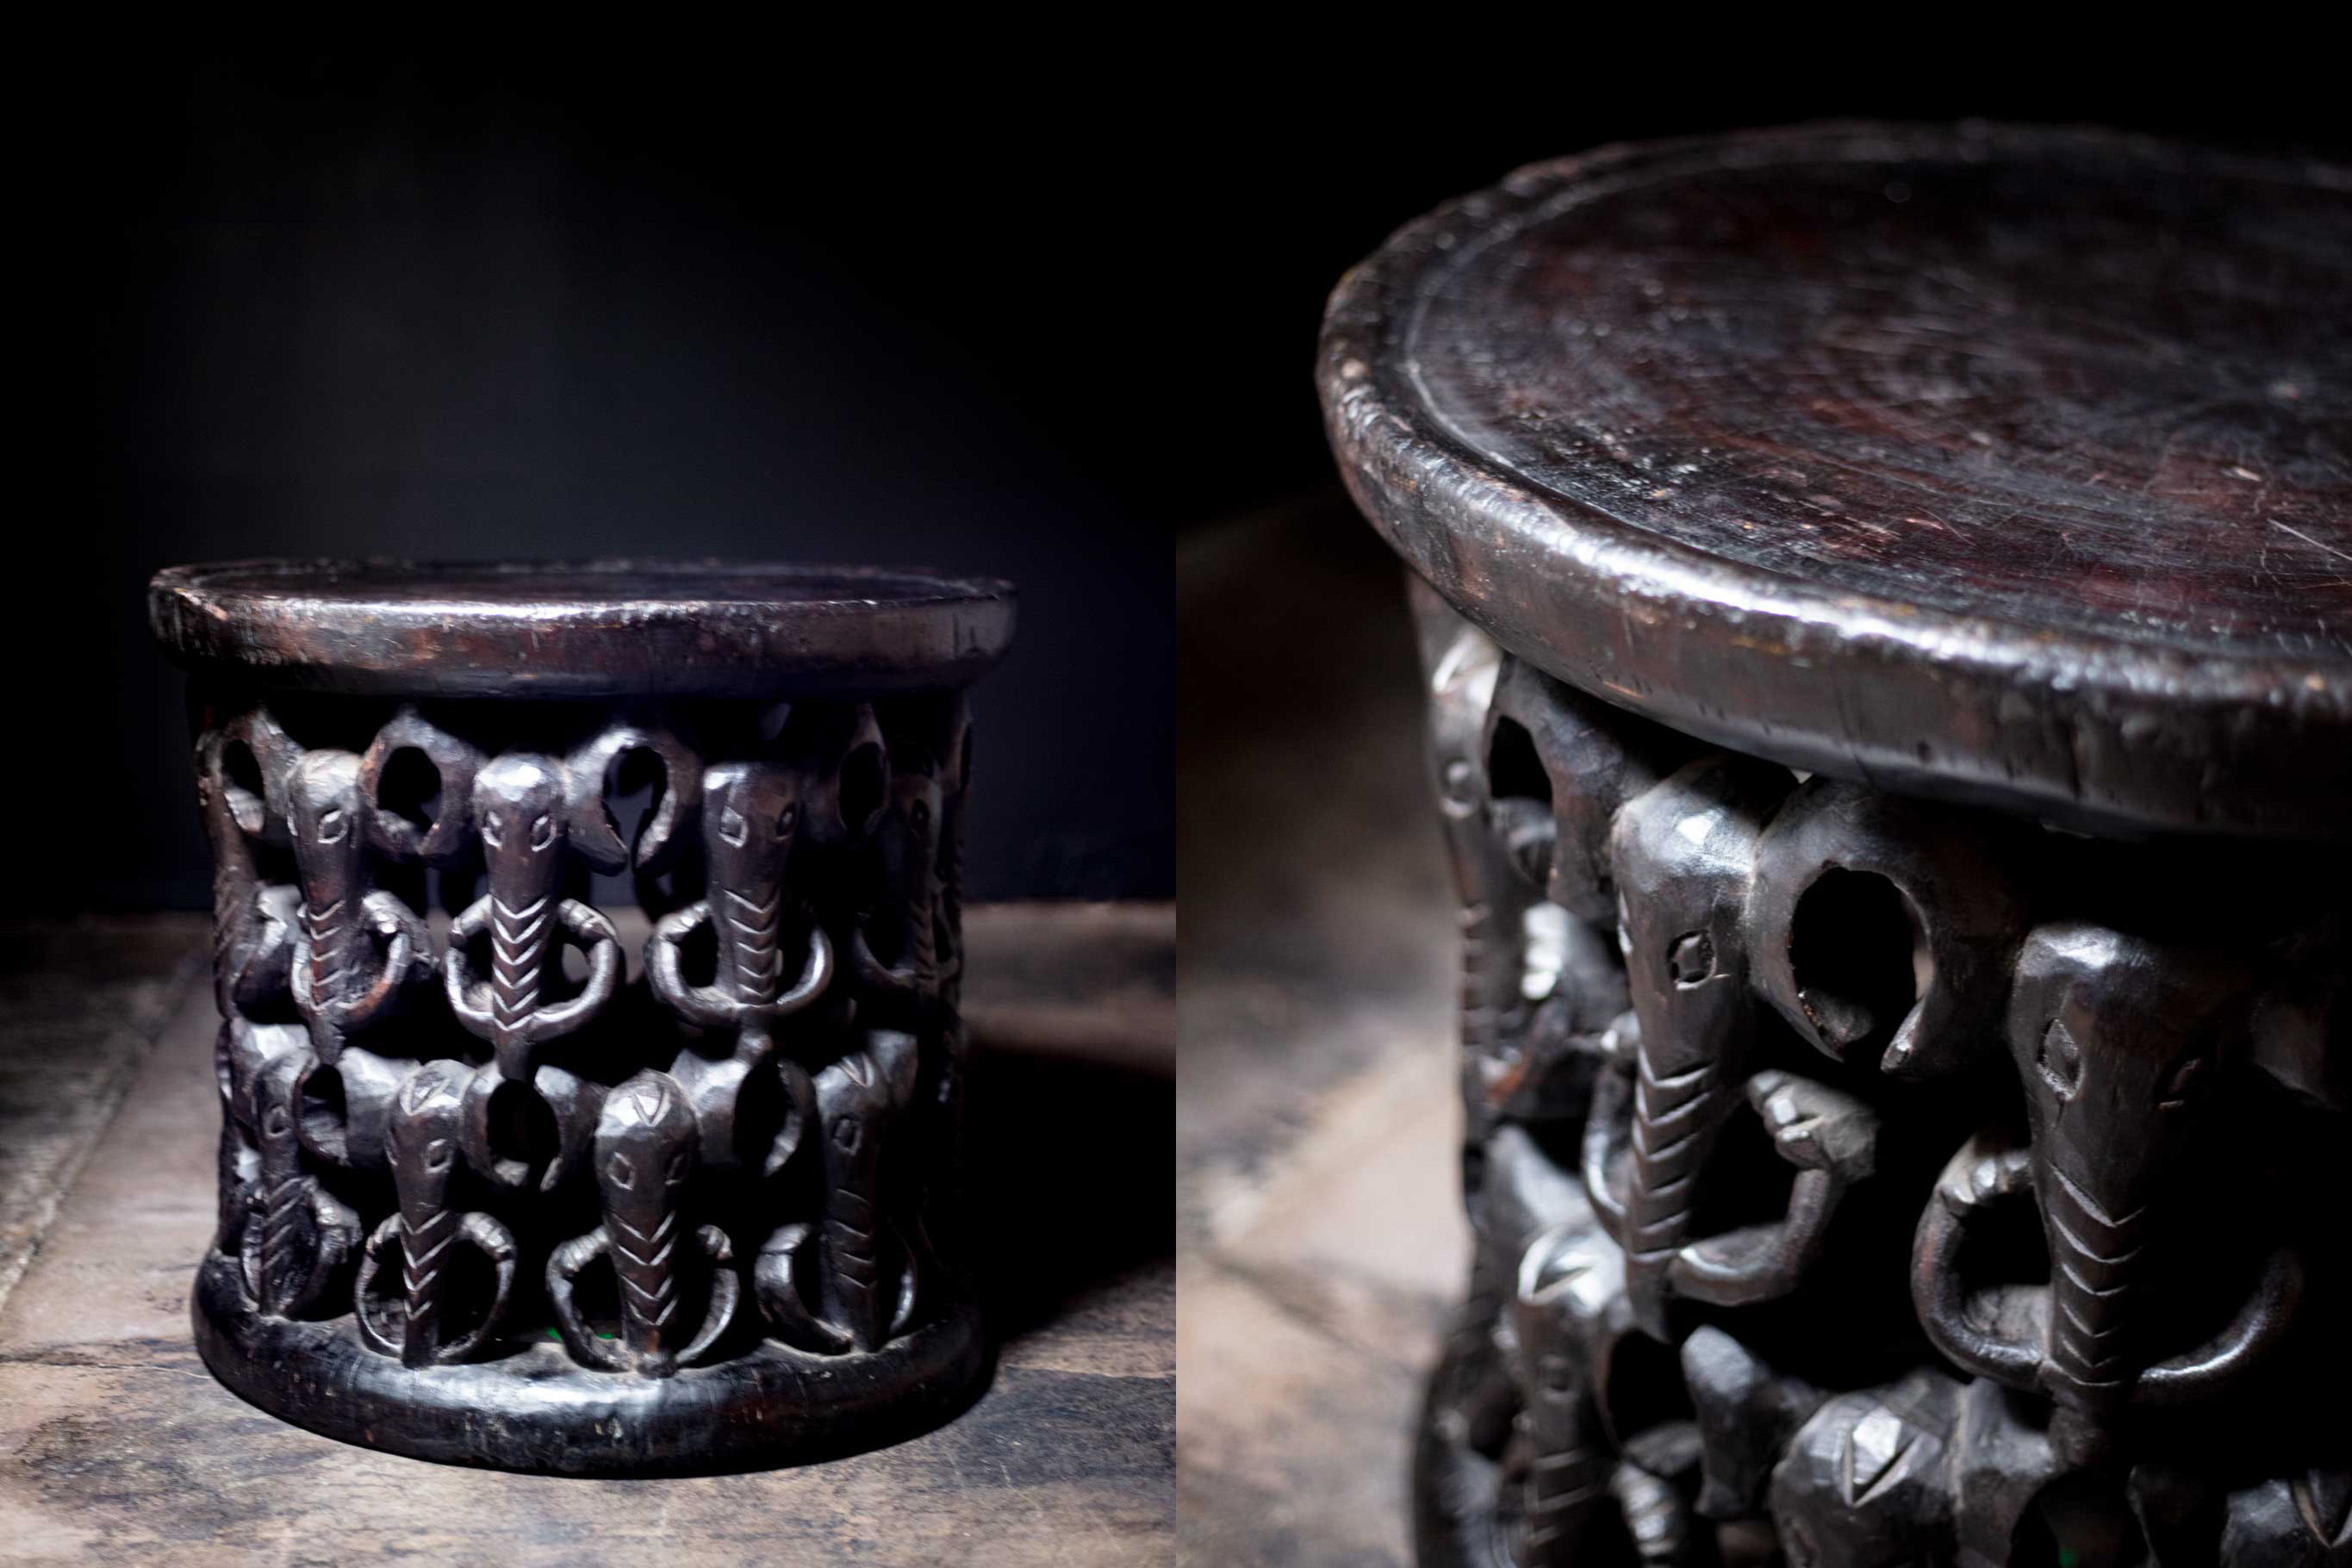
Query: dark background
988	315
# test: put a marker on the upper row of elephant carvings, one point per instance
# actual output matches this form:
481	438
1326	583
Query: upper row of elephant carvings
827	780
1718	868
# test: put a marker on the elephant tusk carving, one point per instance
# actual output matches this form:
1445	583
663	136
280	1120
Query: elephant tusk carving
2225	1359
1832	1137
1829	1136
720	1007
1983	1173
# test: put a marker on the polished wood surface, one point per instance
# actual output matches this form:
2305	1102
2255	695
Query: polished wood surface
2010	465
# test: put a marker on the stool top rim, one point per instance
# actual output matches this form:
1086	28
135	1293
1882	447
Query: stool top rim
581	628
2005	464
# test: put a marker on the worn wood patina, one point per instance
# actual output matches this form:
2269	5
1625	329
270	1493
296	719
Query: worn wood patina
1885	598
489	1196
1993	464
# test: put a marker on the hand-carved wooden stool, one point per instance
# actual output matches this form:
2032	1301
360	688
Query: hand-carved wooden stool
1887	599
485	1195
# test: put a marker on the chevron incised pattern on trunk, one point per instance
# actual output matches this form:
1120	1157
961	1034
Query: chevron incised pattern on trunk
1717	1377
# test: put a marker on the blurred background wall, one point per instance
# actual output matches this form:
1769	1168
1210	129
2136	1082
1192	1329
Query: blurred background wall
1015	308
360	301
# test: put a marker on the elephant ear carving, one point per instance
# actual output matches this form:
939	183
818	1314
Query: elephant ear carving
620	756
845	766
1883	928
1559	767
2300	1035
249	758
417	780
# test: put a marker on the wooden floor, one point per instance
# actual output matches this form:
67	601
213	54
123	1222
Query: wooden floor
1320	1234
116	1446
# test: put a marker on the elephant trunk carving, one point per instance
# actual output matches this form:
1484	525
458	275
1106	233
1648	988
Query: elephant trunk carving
644	1154
334	962
851	1304
856	1098
897	951
423	1139
751	817
517	800
519	811
1563	1276
645	1145
1683	854
297	1236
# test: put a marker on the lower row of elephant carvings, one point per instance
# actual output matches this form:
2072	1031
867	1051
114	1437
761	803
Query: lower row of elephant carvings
461	1151
433	1282
1861	1180
1560	1433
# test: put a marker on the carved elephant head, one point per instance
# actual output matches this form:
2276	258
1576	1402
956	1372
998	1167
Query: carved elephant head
338	982
751	820
2120	1044
1683	853
519	811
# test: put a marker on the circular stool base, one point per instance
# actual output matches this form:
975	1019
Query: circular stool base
536	1411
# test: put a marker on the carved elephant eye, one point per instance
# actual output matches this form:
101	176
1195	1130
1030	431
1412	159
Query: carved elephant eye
438	1153
2181	1082
542	832
1692	958
1559	1374
2059	1059
494	829
733	828
680	1163
921	816
278	1123
622	1172
332	825
788	820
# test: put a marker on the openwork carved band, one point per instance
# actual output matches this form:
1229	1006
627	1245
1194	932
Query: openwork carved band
503	1181
1864	1181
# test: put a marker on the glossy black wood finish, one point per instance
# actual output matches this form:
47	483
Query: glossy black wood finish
493	1192
581	628
1857	1177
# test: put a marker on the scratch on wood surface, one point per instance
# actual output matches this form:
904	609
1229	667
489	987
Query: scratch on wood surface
2314	543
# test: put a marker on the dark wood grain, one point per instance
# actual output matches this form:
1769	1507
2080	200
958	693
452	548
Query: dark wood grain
2006	465
582	629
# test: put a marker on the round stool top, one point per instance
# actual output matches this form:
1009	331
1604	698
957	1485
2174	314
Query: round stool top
2005	465
581	629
